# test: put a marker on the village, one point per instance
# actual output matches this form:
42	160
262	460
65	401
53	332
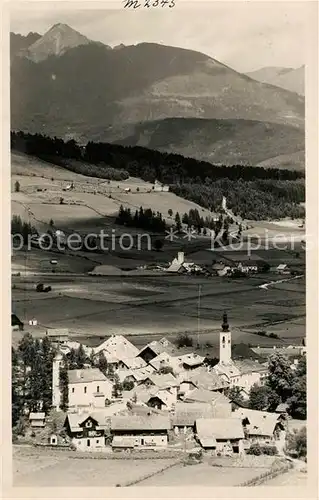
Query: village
161	397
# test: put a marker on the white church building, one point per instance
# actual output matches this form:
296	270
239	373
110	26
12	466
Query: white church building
243	374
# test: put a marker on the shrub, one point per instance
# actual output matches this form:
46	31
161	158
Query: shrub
255	449
40	287
184	340
17	186
296	443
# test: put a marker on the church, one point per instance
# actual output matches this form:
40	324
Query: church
243	373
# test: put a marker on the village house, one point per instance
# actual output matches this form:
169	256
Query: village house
162	381
221	269
118	347
282	269
185	415
58	335
87	431
201	379
86	388
222	436
221	405
149	431
16	323
155	348
152	396
89	387
260	426
159	187
37	420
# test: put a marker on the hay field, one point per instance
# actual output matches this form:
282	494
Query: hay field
202	475
43	184
47	468
161	305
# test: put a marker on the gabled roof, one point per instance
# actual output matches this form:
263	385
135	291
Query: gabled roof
37	416
134	363
119	347
219	428
140	374
86	376
141	423
163	381
160	346
185	414
204	380
176	267
229	370
191	359
249	366
205	396
57	332
261	423
15	321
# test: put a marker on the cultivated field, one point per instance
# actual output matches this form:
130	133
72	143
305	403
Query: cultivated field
42	185
158	305
36	468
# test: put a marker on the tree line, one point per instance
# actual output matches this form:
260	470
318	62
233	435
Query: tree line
141	162
143	218
283	384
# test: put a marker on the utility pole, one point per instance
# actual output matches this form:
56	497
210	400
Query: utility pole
198	313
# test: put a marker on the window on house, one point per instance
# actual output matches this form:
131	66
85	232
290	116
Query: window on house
72	389
98	389
88	443
97	441
223	339
85	388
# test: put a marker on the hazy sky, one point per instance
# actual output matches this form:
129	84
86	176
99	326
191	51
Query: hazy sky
243	35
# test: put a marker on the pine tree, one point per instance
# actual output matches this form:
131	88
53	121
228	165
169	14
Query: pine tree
80	357
16	388
178	224
102	363
64	385
17	186
48	353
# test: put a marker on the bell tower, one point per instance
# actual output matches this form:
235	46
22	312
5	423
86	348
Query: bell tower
225	343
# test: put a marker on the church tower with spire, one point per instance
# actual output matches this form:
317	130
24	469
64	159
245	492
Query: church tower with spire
225	343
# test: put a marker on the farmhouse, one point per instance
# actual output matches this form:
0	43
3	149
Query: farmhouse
260	426
153	396
16	323
118	347
58	335
220	435
202	379
155	348
147	431
87	431
221	405
185	415
159	187
37	420
282	269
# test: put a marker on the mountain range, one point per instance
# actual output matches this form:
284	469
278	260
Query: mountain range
292	79
150	94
